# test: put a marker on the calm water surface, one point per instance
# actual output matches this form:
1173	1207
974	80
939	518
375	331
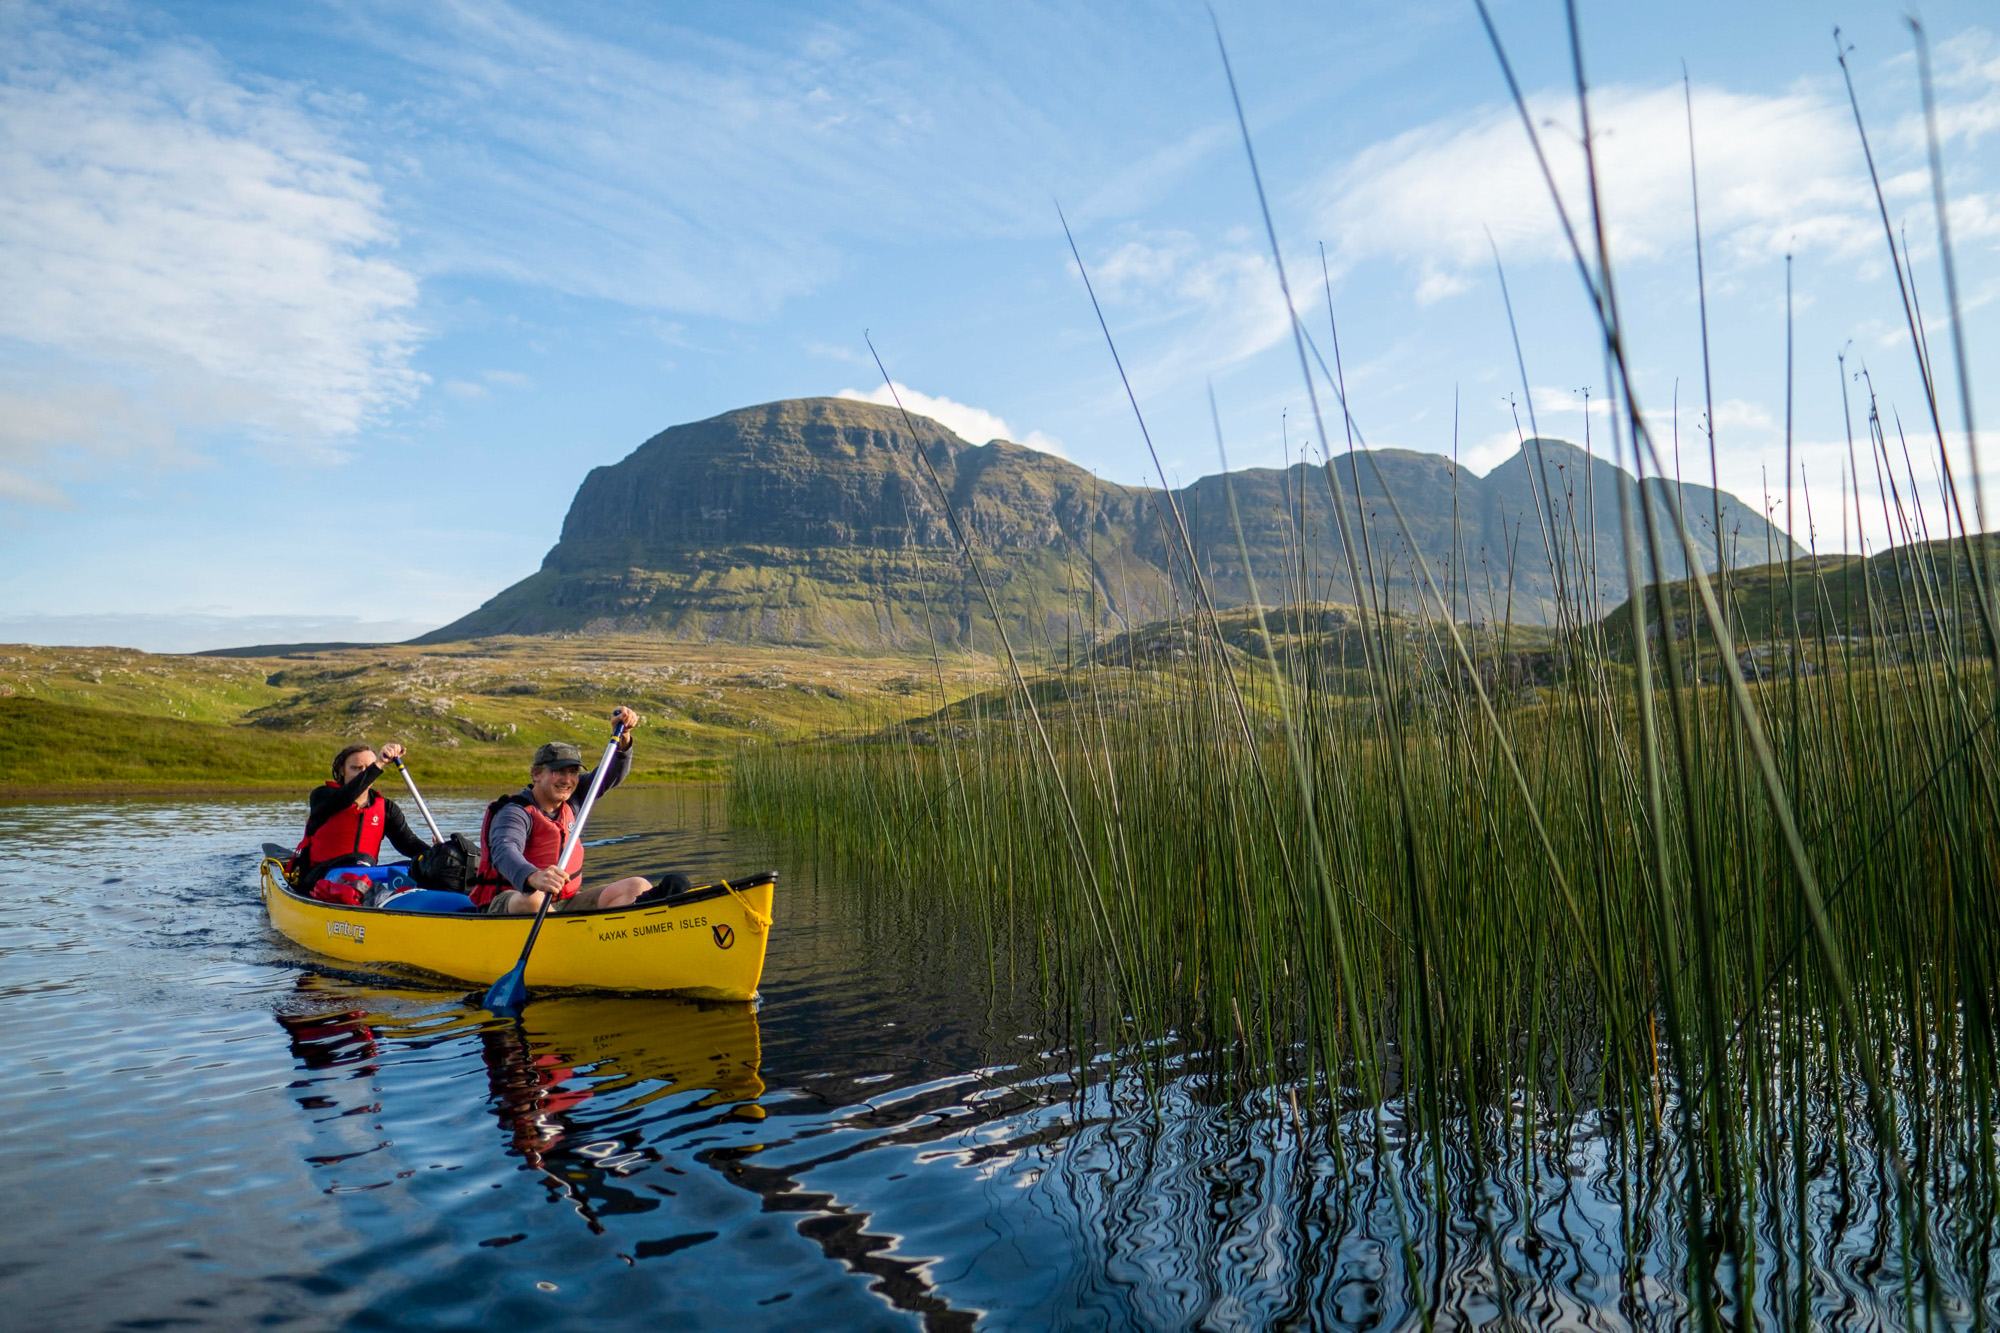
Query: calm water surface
207	1126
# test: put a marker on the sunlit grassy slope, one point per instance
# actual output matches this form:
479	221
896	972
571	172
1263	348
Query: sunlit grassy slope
88	719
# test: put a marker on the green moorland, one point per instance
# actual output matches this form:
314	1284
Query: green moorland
1910	600
97	720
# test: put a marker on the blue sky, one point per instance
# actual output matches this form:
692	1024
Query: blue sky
312	317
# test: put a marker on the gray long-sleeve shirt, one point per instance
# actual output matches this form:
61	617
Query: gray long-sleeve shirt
507	836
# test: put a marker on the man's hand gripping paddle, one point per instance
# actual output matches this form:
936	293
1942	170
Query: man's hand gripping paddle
507	995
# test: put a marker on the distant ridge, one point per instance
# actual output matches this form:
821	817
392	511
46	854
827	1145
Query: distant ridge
809	521
281	649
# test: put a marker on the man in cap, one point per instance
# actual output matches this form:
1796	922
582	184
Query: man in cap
523	835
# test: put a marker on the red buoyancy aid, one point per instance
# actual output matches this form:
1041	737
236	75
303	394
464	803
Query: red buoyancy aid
545	844
356	832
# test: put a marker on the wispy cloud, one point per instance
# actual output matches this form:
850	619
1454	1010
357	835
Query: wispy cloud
1966	71
1780	173
471	390
1553	402
22	489
1485	454
179	252
827	351
52	431
1132	188
973	424
1199	308
630	155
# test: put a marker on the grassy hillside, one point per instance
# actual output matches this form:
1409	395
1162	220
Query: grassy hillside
105	719
76	720
1911	602
1289	659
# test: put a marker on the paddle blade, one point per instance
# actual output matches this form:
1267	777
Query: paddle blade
508	995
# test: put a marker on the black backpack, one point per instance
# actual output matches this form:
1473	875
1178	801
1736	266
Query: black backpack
449	865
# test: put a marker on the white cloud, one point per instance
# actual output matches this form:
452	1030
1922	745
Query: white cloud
1738	414
1835	508
1974	217
634	155
1965	69
1967	60
1133	188
54	432
471	390
1778	172
1483	456
1552	402
189	248
1750	465
26	490
1435	285
1210	306
1968	122
827	351
975	425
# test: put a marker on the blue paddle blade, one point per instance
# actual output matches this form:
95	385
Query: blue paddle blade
507	995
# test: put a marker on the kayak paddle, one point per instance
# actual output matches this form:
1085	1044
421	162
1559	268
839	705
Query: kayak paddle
507	995
411	783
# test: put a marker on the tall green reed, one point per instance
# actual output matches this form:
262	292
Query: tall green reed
1717	877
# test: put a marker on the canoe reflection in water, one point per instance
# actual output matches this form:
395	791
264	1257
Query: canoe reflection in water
556	1076
531	1093
564	1051
328	1040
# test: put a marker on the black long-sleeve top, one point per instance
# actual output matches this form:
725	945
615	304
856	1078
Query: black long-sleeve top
324	802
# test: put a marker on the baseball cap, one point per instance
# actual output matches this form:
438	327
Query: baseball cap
558	754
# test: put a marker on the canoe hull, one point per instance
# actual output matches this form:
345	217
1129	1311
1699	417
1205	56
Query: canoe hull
708	945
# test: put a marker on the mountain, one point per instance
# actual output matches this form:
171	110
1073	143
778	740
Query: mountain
812	521
1541	530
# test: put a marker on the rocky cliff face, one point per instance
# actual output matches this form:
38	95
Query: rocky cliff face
812	521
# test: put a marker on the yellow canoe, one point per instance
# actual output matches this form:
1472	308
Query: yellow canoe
707	944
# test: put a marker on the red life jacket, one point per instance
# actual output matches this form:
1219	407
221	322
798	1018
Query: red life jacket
352	837
545	844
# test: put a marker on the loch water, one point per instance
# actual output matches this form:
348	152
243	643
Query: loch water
206	1126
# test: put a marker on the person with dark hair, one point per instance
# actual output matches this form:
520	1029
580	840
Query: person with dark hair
347	820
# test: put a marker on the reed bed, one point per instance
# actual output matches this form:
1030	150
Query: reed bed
1354	904
1722	888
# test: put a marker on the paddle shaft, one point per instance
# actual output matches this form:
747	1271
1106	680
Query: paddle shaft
411	783
569	845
